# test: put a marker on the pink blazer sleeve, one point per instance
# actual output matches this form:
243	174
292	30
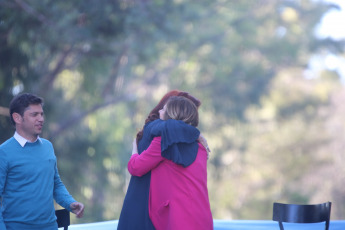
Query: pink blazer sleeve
141	164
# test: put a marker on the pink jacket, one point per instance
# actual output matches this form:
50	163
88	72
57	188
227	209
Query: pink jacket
178	198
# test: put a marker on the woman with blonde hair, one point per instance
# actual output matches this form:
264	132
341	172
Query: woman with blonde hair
137	197
178	197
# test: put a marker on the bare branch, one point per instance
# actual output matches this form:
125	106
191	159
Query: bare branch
79	117
4	111
27	8
114	73
49	79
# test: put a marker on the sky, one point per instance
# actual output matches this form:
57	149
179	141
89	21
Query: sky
332	25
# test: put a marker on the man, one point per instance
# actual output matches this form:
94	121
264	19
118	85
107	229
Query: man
29	179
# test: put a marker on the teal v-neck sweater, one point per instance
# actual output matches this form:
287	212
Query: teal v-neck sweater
29	183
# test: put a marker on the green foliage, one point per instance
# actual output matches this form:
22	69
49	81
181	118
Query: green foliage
102	65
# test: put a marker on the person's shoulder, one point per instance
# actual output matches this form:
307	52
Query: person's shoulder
179	125
45	141
7	146
172	122
154	123
8	142
153	126
156	127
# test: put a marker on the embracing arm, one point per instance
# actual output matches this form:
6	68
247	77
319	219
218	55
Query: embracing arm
141	164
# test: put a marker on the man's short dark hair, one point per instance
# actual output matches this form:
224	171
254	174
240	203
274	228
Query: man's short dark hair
21	102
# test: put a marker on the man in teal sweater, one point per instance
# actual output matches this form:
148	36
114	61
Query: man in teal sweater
29	179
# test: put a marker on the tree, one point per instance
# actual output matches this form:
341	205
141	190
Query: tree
101	66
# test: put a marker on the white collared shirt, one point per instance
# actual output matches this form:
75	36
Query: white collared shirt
22	141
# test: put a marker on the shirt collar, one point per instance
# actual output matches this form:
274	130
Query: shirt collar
22	141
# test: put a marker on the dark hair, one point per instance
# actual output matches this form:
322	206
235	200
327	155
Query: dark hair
154	114
21	102
183	109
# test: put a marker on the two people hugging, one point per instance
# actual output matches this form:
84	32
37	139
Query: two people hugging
169	171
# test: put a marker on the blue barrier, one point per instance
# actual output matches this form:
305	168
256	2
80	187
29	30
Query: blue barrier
228	225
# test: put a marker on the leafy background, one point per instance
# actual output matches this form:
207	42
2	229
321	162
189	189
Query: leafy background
275	125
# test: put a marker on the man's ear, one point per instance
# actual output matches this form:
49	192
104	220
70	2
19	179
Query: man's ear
17	118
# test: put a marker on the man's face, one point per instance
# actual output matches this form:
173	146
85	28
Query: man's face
31	123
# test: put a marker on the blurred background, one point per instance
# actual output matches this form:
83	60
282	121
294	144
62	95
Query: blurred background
269	73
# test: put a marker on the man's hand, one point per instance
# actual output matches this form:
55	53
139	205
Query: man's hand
78	209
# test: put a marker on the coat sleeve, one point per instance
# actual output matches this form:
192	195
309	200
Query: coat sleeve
141	164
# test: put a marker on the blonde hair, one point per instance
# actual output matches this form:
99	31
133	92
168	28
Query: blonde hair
181	108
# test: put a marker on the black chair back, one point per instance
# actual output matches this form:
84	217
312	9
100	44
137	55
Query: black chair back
302	213
63	218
